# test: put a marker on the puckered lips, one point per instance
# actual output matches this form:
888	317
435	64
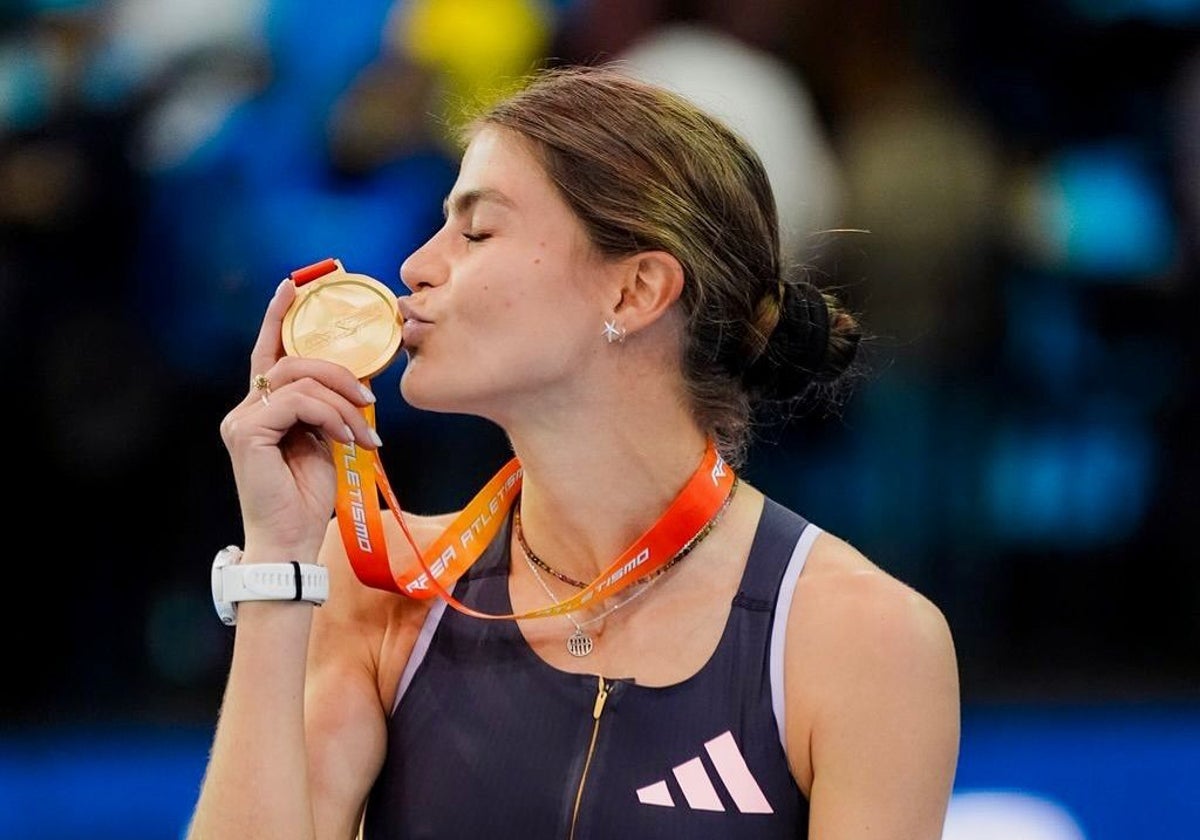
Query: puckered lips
416	324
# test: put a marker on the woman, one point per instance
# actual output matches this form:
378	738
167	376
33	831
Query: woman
607	288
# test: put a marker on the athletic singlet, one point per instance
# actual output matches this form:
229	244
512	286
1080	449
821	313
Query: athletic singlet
488	740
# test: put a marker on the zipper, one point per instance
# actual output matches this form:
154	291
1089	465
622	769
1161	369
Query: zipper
597	709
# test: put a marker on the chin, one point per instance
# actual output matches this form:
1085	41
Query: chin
417	390
424	390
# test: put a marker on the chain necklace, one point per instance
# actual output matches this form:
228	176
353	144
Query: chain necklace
580	643
538	561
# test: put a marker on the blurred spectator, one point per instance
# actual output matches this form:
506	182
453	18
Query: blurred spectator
592	31
478	49
1097	212
87	374
145	39
1180	416
767	102
923	174
1183	125
250	194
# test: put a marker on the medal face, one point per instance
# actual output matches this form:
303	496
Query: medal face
351	319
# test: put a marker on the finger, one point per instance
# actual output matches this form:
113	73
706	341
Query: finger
335	418
327	374
268	347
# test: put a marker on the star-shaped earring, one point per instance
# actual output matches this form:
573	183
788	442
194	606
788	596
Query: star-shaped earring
612	332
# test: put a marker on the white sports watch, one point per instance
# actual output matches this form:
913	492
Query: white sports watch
233	582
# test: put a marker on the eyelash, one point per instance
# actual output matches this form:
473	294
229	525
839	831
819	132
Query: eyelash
476	237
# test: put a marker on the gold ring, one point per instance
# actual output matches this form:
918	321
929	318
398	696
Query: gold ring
260	382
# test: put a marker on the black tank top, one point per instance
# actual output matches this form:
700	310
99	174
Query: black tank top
488	740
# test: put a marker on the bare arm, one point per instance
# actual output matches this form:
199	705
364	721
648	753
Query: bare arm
257	783
872	673
346	700
299	745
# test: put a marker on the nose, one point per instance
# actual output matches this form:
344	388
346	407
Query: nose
423	268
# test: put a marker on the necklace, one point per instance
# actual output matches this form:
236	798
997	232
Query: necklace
580	643
538	561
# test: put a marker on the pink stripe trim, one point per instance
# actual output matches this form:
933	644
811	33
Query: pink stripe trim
739	781
697	787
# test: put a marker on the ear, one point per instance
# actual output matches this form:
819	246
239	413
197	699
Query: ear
648	284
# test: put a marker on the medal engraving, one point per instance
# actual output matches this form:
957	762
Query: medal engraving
351	319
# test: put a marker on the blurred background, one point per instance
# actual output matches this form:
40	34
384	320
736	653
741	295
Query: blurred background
1008	193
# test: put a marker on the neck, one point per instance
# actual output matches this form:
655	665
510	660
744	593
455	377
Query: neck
590	489
605	450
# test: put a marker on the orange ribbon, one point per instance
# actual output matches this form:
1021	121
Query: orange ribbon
361	478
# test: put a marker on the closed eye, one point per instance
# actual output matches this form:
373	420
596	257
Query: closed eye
476	237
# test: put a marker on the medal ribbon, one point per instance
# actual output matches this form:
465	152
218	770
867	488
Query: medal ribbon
361	480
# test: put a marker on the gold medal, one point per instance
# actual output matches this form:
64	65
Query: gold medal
351	319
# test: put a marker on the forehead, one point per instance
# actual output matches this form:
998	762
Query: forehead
499	165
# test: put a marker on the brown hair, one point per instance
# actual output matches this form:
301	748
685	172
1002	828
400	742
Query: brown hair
645	169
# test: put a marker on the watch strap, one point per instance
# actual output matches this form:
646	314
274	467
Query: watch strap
233	582
275	582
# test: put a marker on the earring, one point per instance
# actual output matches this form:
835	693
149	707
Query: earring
613	332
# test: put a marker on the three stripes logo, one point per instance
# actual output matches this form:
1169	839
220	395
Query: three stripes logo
697	786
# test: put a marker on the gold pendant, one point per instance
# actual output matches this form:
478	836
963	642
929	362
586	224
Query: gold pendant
579	644
351	319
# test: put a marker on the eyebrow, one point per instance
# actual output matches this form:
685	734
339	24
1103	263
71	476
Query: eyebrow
464	201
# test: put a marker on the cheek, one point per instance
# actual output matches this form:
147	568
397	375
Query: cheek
535	294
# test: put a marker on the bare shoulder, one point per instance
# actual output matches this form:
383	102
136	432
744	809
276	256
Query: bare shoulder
848	602
352	598
864	651
343	577
365	626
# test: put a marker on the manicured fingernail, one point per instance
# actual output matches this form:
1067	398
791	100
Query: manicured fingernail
282	283
349	434
375	438
366	392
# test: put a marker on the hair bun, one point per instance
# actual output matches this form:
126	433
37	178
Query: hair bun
813	341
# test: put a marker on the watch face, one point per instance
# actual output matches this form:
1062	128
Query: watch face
351	319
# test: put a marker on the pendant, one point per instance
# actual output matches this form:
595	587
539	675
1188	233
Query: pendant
579	644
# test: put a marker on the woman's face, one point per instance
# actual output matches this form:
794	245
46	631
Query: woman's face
507	297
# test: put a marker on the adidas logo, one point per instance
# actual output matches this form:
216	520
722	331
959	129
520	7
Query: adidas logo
697	786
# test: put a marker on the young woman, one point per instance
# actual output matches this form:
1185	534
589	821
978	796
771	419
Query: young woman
607	288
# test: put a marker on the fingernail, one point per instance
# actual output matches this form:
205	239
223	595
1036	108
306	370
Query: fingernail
282	283
366	392
375	438
349	434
